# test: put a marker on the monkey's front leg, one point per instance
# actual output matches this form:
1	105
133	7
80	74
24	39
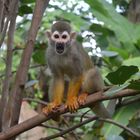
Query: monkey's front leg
56	92
73	90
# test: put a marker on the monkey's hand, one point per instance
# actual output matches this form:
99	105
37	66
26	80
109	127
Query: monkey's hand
72	104
51	107
82	98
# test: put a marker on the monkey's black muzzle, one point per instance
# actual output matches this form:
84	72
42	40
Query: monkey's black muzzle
60	48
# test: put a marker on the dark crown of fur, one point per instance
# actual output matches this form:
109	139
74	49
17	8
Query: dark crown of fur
61	26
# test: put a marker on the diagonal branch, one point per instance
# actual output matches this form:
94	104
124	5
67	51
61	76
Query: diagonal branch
60	134
38	119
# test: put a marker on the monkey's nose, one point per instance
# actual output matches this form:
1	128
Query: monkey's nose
60	48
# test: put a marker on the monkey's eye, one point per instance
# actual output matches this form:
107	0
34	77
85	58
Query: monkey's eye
64	36
56	36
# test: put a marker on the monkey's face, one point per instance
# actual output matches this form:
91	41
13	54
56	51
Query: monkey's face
61	41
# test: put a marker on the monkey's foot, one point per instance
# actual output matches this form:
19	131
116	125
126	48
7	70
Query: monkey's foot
51	107
72	104
82	98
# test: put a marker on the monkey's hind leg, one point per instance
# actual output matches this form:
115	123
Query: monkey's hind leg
84	92
93	82
73	90
56	93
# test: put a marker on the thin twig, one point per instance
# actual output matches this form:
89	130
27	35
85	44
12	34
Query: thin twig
121	126
4	31
72	132
52	127
70	129
12	11
35	100
76	115
129	101
1	14
89	120
109	121
84	114
31	67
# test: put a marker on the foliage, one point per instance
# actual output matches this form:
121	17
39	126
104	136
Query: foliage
120	76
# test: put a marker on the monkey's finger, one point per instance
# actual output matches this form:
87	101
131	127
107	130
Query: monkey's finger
46	111
71	108
74	107
66	106
82	98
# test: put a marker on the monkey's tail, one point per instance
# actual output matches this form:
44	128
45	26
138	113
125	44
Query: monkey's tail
100	110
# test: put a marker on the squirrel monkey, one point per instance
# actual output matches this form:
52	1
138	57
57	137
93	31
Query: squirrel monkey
68	60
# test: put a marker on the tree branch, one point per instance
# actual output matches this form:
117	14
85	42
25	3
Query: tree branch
1	14
21	75
38	119
60	134
121	126
12	9
8	71
70	129
51	127
31	67
35	100
129	101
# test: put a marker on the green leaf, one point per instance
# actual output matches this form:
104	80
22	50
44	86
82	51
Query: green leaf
134	124
125	31
97	28
116	61
122	74
39	56
119	50
135	84
114	137
77	22
24	9
122	115
135	61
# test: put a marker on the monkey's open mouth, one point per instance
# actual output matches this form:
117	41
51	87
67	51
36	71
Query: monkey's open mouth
60	48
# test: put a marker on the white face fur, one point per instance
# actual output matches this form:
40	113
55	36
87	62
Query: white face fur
61	41
57	37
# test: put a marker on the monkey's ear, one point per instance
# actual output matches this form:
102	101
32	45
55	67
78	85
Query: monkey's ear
48	33
73	35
